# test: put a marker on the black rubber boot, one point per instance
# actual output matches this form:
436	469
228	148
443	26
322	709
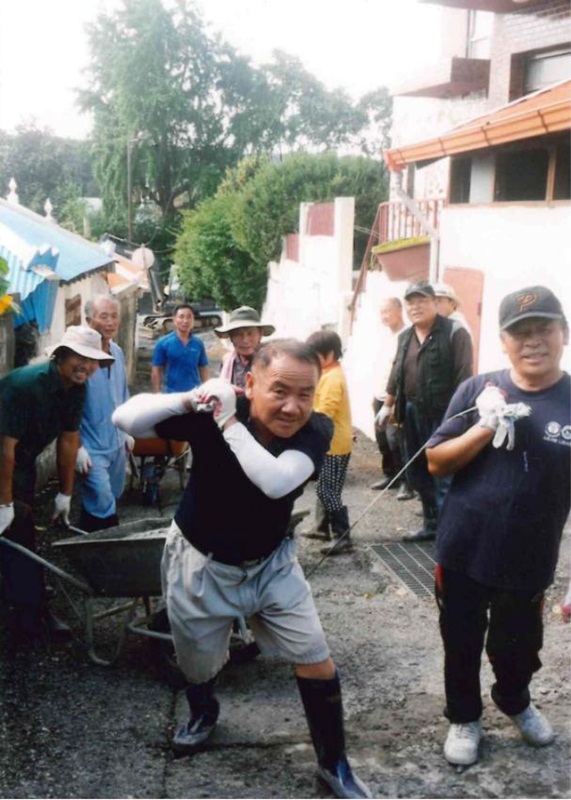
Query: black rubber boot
321	530
90	523
324	711
428	530
204	710
340	527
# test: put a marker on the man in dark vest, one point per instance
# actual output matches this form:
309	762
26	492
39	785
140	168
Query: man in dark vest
433	357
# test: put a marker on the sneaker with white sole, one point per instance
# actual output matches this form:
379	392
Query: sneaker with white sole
533	726
461	746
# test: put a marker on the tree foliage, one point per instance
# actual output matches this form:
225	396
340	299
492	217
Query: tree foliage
187	106
45	166
228	240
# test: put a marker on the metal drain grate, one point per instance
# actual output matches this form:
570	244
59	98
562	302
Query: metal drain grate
412	563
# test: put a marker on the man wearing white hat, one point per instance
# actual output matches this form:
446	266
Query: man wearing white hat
245	330
447	304
39	403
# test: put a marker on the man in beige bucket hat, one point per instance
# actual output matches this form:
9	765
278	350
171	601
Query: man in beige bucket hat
245	330
39	403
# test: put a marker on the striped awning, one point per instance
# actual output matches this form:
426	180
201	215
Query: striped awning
543	112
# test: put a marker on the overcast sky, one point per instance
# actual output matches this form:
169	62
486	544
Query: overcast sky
358	44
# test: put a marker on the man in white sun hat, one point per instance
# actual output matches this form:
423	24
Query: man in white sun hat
448	304
245	330
39	403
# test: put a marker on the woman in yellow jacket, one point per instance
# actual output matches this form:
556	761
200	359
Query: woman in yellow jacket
332	398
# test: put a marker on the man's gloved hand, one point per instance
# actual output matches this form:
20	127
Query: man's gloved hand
506	423
383	416
6	516
61	508
83	461
129	443
220	393
490	404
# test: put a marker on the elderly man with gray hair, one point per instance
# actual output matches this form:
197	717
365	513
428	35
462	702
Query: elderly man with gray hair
101	459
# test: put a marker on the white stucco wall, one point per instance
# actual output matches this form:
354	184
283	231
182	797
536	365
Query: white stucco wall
514	245
366	344
307	295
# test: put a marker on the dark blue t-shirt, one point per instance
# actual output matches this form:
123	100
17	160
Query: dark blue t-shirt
503	516
222	511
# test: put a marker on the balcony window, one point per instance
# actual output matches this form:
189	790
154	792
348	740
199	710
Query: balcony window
537	171
480	25
543	69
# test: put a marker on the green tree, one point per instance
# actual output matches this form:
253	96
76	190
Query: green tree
187	106
45	165
227	242
211	264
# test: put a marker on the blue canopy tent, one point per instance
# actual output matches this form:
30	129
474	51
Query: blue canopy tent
40	256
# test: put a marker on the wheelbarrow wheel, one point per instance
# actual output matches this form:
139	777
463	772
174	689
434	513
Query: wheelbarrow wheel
150	493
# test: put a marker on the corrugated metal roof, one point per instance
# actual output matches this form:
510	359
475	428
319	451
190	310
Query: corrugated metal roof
543	112
21	281
77	256
37	292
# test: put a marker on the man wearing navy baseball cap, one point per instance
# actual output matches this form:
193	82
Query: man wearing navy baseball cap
506	442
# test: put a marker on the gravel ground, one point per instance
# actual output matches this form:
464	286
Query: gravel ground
70	729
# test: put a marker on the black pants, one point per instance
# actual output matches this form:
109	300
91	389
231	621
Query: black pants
23	583
418	429
514	638
390	442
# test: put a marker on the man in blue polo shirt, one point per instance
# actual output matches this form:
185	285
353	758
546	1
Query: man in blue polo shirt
179	359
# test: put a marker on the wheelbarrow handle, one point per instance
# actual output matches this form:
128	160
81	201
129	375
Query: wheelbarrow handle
47	564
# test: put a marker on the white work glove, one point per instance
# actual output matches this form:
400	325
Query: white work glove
490	404
382	416
62	506
83	461
506	427
129	443
6	517
221	394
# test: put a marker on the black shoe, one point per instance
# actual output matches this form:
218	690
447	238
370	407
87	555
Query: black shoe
341	781
342	545
196	731
405	493
58	631
423	535
382	484
316	533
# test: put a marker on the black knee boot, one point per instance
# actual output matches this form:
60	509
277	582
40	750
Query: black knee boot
321	529
324	711
430	520
204	709
90	523
340	527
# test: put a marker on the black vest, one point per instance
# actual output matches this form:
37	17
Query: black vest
435	381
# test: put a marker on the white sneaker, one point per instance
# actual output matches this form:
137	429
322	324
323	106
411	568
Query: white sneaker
533	726
461	746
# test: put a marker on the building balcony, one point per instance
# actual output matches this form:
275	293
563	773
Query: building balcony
451	77
496	6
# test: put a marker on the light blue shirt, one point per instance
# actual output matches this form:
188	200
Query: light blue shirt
106	389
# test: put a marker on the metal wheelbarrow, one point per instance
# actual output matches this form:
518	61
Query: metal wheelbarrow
149	461
119	563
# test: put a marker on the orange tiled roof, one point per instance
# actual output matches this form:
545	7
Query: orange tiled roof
545	111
